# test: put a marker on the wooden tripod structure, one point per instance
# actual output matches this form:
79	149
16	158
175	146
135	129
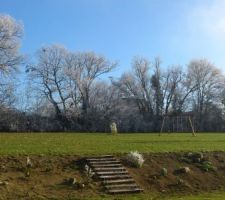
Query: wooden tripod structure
177	123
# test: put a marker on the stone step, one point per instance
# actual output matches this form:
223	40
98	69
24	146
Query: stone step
112	173
118	186
100	159
120	191
105	162
114	176
102	156
96	165
119	181
110	169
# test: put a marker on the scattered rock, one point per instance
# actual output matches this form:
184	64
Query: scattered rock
196	157
183	183
27	173
164	172
154	177
29	163
199	160
80	185
185	170
189	155
182	170
3	168
180	181
3	183
193	158
28	167
185	159
48	168
72	181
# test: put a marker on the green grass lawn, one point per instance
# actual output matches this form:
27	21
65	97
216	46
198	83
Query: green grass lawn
206	196
100	143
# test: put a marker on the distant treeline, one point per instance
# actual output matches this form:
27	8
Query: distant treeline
65	91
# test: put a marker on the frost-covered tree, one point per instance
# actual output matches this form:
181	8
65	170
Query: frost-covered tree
209	83
11	32
83	69
49	78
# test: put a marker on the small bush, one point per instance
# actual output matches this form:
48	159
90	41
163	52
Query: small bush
135	159
90	173
193	157
207	166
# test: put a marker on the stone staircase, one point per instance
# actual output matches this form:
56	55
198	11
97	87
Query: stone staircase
114	177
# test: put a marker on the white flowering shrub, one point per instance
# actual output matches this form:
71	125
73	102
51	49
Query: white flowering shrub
135	159
90	173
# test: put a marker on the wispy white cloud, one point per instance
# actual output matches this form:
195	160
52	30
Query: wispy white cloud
208	19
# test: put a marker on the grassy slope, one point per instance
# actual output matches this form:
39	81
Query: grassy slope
92	143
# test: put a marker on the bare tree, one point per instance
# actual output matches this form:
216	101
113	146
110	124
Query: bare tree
11	33
83	69
48	75
66	79
171	80
209	82
156	84
135	86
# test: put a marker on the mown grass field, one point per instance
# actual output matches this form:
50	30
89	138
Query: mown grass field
206	196
101	143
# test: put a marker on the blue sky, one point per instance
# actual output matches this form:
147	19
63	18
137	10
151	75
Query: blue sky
175	30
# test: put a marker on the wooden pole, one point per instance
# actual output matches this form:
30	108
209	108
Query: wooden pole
162	126
173	124
181	123
192	127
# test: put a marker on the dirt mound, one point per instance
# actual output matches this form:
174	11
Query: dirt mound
168	173
204	176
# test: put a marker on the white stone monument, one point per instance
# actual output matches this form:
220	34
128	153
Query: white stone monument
113	128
